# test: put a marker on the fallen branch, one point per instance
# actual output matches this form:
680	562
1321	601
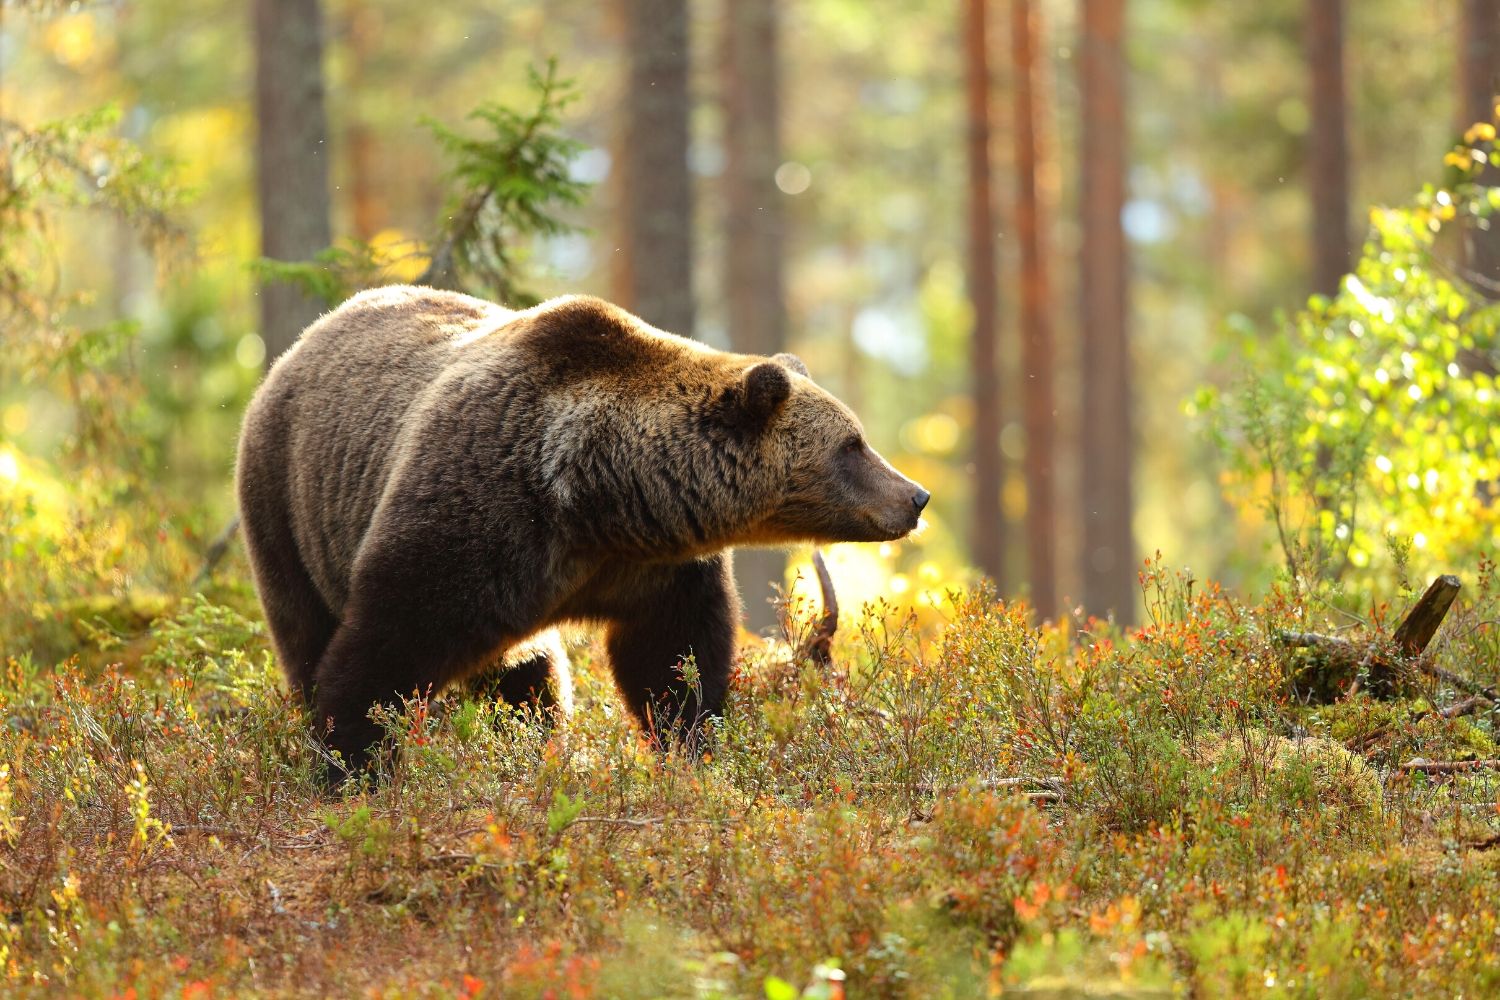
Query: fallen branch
1456	710
1425	766
1048	788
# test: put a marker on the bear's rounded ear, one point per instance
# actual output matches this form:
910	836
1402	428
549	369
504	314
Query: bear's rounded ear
766	387
792	362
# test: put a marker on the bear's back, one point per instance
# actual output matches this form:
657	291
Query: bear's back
332	408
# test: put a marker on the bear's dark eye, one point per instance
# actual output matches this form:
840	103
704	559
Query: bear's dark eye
853	444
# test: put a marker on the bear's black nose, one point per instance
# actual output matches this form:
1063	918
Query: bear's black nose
920	500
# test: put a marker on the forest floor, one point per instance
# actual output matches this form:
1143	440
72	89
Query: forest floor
961	805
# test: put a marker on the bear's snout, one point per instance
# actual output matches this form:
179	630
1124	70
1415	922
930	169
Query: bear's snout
919	500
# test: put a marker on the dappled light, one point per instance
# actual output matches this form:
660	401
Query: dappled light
734	498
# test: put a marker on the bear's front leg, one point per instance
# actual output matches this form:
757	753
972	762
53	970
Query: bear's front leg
681	610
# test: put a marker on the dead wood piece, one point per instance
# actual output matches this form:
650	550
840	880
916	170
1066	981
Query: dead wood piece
1421	622
1457	680
1347	660
1415	631
1470	705
818	646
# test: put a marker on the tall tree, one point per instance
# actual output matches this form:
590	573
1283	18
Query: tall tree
654	189
1327	144
361	34
753	227
988	535
291	157
1108	446
1479	81
1038	412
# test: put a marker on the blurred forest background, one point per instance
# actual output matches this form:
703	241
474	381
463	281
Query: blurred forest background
1058	255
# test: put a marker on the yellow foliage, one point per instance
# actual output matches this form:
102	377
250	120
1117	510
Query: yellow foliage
1480	132
402	255
72	40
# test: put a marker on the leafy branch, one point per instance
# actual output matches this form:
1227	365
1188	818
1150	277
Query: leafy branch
510	183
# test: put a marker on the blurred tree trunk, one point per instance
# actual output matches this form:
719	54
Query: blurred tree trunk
753	228
988	536
1038	412
654	189
1108	444
362	27
1327	145
1479	79
291	157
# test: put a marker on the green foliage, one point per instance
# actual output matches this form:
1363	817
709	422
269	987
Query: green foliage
72	533
1369	425
509	185
47	172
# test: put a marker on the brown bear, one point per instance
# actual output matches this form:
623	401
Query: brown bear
429	483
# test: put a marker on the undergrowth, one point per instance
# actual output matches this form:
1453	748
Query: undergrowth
962	804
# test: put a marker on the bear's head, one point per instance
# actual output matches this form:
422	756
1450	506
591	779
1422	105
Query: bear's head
834	487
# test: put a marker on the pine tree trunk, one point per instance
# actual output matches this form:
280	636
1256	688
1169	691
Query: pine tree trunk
1479	80
655	190
988	533
1038	409
362	26
1108	445
291	157
753	232
1327	145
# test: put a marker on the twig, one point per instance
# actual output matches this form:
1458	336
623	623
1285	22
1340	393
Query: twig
1448	766
214	831
216	551
1458	681
1048	788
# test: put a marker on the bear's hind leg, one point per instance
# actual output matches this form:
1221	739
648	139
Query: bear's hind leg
537	673
300	623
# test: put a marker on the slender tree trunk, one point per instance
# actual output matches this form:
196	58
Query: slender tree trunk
1037	407
1108	444
1479	80
988	535
1328	145
291	157
655	190
362	28
753	231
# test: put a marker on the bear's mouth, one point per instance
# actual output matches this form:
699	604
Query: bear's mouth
885	532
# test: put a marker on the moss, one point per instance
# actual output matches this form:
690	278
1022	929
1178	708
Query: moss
1353	718
1311	779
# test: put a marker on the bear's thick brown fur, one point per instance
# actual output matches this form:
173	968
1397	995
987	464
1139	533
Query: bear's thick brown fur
429	483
